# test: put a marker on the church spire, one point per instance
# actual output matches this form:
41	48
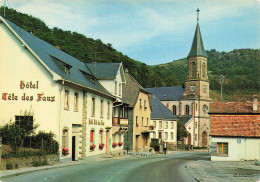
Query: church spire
197	48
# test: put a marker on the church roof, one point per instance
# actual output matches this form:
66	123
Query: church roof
160	111
56	60
197	48
167	93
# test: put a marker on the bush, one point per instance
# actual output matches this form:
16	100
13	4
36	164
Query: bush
9	166
40	163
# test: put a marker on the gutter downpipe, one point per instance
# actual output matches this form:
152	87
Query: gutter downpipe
62	86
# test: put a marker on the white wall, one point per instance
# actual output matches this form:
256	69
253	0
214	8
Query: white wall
248	149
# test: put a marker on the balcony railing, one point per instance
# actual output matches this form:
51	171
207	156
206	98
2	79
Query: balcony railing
121	121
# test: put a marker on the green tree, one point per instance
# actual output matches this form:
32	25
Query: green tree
181	131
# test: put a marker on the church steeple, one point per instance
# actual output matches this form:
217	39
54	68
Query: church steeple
197	48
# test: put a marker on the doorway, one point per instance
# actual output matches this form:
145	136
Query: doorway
73	148
136	143
189	139
107	141
204	139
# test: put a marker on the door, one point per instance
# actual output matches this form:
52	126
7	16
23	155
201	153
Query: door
189	139
204	139
73	148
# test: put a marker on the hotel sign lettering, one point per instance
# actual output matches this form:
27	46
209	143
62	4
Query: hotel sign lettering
28	85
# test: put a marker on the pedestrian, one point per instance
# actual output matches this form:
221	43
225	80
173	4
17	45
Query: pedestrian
164	147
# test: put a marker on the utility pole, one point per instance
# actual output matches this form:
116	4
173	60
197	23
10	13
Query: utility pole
221	81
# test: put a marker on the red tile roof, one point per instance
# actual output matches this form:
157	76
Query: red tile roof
232	107
235	125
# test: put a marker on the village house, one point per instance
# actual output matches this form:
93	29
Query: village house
137	138
62	93
191	102
163	124
235	130
112	77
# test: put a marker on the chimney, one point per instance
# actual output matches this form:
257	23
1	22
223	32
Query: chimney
255	103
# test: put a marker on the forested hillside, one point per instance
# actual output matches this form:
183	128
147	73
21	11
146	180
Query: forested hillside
240	67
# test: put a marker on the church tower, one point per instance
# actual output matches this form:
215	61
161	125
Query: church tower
197	89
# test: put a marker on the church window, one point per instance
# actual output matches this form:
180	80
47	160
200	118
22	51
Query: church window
204	70
174	110
187	110
194	70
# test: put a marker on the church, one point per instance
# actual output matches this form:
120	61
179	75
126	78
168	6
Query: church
191	103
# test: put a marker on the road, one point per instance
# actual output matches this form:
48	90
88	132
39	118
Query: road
160	168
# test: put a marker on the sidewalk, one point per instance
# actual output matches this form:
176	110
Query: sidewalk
16	172
212	171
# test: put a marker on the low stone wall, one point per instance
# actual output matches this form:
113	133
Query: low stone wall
27	162
118	153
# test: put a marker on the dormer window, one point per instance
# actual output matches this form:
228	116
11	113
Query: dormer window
63	66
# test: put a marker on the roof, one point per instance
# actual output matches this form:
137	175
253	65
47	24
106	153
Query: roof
54	60
197	48
232	107
131	90
167	93
104	70
184	119
160	111
235	125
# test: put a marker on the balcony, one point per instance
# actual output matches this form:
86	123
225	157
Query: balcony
120	121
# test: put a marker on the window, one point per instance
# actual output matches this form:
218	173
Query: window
160	124
100	136
140	103
196	125
76	100
172	125
187	110
154	123
137	121
196	136
222	148
142	121
65	138
168	105
204	70
66	100
24	122
92	139
160	135
115	87
93	107
101	108
108	110
147	121
119	89
171	135
166	135
145	104
166	125
174	110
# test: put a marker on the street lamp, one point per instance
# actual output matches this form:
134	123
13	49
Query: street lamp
221	81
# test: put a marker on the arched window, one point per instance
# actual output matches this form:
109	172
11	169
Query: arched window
65	138
100	136
204	70
194	70
92	137
174	110
187	110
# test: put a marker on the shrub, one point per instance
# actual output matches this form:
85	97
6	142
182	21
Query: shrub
9	166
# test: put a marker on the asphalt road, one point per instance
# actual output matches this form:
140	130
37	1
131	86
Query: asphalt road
163	168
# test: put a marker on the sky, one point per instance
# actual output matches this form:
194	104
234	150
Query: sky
153	31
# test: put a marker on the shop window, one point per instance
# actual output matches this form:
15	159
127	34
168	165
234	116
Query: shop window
92	137
101	108
65	138
93	107
24	122
76	100
222	148
174	110
187	110
66	100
